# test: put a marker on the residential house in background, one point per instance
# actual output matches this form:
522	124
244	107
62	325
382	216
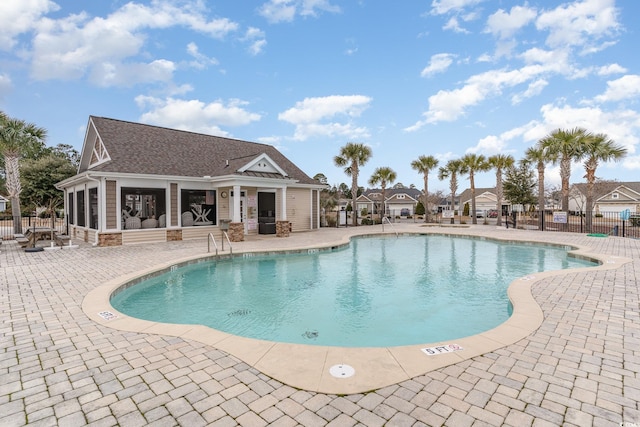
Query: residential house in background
486	199
609	196
399	201
138	183
3	203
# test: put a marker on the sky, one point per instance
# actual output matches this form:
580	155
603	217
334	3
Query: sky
408	78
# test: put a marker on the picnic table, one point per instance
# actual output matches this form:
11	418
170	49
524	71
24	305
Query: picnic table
32	235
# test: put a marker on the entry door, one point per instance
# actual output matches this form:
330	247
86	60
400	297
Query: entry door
243	211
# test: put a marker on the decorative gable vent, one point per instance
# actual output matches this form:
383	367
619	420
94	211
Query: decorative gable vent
99	153
263	164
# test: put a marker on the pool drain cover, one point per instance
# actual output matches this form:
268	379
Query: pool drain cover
342	371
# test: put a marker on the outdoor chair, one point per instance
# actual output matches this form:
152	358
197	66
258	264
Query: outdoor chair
187	219
132	223
150	223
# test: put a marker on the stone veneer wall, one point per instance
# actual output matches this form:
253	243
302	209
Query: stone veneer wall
283	228
110	239
236	231
174	235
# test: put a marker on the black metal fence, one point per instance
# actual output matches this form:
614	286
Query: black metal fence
7	231
602	223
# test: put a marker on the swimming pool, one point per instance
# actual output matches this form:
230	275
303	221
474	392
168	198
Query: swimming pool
375	292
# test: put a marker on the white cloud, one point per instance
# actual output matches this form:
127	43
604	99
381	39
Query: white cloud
581	23
17	17
626	87
310	7
256	39
440	7
453	25
321	116
611	69
497	144
534	88
200	61
623	126
77	45
438	64
447	106
276	11
504	25
195	115
489	145
117	74
631	163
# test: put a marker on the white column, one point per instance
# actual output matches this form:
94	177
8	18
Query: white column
236	204
283	204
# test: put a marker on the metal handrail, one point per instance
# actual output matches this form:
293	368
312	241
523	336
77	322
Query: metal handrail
226	236
209	240
389	221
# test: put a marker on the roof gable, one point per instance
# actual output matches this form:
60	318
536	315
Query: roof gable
99	153
624	194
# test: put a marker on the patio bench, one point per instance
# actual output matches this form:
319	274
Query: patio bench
61	239
22	241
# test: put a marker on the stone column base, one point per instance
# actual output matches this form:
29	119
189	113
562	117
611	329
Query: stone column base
283	228
236	232
174	235
109	239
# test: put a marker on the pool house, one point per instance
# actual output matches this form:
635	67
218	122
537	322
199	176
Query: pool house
138	183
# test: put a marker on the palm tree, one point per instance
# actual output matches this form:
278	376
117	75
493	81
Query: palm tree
351	157
598	148
383	176
539	156
451	171
500	162
474	163
424	165
565	146
17	138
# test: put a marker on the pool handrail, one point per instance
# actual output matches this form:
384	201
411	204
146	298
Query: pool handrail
389	221
226	236
210	239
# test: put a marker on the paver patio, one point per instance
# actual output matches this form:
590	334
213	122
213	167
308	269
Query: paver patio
58	367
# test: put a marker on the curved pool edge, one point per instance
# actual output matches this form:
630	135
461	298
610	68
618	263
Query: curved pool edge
307	366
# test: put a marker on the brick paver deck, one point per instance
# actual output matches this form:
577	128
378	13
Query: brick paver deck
581	367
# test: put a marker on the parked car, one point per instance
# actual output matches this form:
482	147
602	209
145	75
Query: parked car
492	214
405	212
479	214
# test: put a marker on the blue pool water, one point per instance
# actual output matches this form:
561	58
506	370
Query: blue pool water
375	292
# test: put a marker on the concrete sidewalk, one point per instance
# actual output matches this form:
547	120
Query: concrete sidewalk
58	367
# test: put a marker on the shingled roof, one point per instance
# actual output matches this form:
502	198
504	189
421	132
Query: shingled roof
144	149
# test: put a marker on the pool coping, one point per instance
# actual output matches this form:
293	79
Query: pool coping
308	367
